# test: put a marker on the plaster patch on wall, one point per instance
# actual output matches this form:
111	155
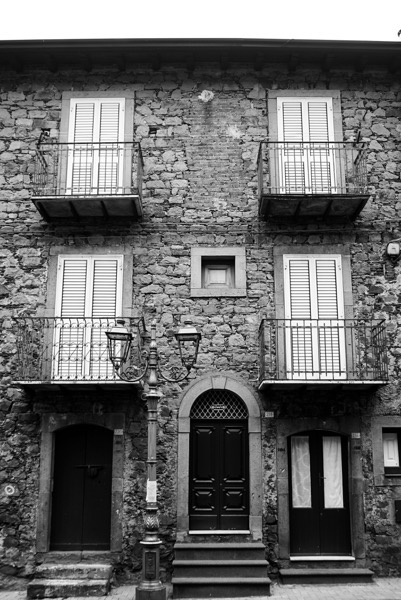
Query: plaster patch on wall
234	132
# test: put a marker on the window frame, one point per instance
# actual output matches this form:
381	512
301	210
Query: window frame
222	256
304	323
274	101
68	107
127	280
280	286
272	106
57	254
379	426
391	471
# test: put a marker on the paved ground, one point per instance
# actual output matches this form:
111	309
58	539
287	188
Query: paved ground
380	589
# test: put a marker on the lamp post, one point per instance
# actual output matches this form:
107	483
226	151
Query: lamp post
119	342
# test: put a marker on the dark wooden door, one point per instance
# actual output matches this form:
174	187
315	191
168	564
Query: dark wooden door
219	488
81	502
319	500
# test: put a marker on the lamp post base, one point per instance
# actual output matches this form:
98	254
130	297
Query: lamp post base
159	593
151	588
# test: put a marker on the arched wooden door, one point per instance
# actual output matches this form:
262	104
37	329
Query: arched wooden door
319	497
81	500
219	463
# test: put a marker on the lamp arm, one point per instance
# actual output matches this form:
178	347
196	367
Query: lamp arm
126	375
175	379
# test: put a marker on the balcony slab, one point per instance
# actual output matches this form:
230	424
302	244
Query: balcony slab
76	208
328	207
294	385
73	386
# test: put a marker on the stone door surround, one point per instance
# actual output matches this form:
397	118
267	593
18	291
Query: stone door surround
221	381
51	423
349	426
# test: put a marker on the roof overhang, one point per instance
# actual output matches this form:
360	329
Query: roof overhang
56	54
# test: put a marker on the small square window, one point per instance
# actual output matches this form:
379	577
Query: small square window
391	451
218	272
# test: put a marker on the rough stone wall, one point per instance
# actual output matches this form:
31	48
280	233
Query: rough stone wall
200	189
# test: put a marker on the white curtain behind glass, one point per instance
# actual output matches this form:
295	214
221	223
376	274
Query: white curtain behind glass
300	466
332	472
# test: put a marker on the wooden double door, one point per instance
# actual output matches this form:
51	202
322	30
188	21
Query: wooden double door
319	497
219	481
81	500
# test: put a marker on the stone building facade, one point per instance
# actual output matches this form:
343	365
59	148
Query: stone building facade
222	223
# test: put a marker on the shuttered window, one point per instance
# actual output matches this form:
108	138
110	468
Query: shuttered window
88	298
95	150
307	160
391	451
314	316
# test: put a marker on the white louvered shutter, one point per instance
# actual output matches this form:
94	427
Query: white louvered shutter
88	298
106	303
314	312
95	155
306	128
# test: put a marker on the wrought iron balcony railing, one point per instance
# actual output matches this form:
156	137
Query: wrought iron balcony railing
324	179
88	179
69	350
347	351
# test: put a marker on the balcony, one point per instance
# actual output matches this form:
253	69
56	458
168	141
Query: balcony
322	354
68	353
312	180
86	181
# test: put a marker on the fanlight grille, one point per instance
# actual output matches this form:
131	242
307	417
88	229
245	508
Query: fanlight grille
218	404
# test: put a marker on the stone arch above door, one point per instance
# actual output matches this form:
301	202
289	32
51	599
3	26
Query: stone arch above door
233	384
50	424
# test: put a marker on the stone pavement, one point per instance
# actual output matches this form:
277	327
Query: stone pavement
388	588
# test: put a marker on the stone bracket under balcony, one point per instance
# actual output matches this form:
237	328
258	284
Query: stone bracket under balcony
301	181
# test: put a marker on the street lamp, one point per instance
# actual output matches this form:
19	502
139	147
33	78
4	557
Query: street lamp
119	342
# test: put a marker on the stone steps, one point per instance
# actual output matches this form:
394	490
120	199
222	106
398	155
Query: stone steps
220	570
53	580
226	568
326	575
56	588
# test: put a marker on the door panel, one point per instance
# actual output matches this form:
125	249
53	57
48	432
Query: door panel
203	495
219	495
319	503
81	501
